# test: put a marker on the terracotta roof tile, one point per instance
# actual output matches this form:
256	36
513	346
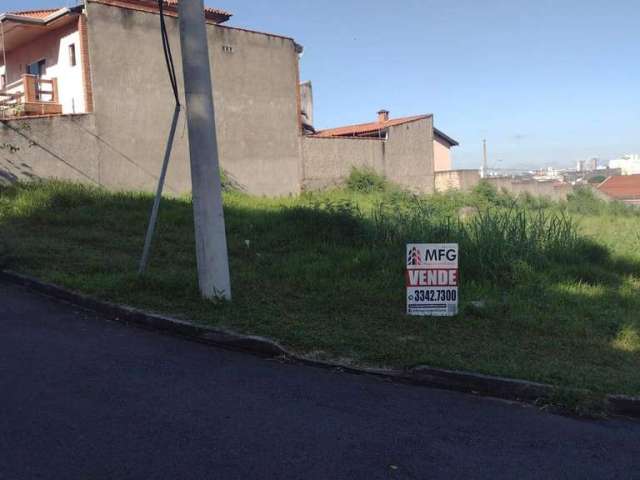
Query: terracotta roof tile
367	128
36	13
215	11
621	187
214	14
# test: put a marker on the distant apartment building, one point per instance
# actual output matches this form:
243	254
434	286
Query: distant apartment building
628	164
587	165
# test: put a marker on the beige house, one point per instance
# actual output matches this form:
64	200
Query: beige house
84	94
38	48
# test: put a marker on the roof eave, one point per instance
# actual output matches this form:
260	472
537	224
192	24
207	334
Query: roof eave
12	17
445	137
383	127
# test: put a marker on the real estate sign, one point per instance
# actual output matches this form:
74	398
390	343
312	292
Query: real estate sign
432	279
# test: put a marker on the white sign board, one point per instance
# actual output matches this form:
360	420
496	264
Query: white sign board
432	279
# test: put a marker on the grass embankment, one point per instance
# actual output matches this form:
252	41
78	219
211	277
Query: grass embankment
323	273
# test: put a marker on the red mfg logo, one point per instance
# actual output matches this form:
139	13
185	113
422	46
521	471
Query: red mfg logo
414	259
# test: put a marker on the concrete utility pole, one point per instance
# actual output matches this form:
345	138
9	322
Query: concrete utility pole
211	240
485	162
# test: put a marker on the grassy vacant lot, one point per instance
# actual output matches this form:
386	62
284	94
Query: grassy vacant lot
323	273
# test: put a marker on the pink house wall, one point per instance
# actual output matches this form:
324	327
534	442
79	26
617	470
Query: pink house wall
53	47
441	155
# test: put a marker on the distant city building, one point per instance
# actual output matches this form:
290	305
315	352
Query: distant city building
549	173
628	164
587	165
575	177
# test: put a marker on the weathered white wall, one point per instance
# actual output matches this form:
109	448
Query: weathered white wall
70	82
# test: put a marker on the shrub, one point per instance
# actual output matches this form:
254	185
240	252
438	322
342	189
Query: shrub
486	194
366	180
584	201
534	202
486	191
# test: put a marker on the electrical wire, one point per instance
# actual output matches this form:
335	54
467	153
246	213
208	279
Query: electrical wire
168	56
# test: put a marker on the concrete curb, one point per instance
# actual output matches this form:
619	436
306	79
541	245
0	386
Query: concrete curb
624	405
478	384
500	387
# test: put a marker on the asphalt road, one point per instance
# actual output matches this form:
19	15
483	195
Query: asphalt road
85	398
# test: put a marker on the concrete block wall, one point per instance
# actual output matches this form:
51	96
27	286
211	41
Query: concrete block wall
550	189
255	78
466	180
63	147
462	180
405	157
327	162
409	156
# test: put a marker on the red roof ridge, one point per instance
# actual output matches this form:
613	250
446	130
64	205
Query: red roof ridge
621	186
206	9
41	10
215	14
42	13
368	127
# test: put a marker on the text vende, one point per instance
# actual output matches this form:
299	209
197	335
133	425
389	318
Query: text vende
431	277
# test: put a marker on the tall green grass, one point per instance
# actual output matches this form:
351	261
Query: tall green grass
583	201
494	241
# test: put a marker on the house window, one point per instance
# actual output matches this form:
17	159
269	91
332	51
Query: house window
37	68
72	55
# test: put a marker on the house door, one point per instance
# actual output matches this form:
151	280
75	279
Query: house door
37	69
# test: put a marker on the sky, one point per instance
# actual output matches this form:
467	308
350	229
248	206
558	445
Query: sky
546	82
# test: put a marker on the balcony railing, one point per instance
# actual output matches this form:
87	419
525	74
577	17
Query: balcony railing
31	95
